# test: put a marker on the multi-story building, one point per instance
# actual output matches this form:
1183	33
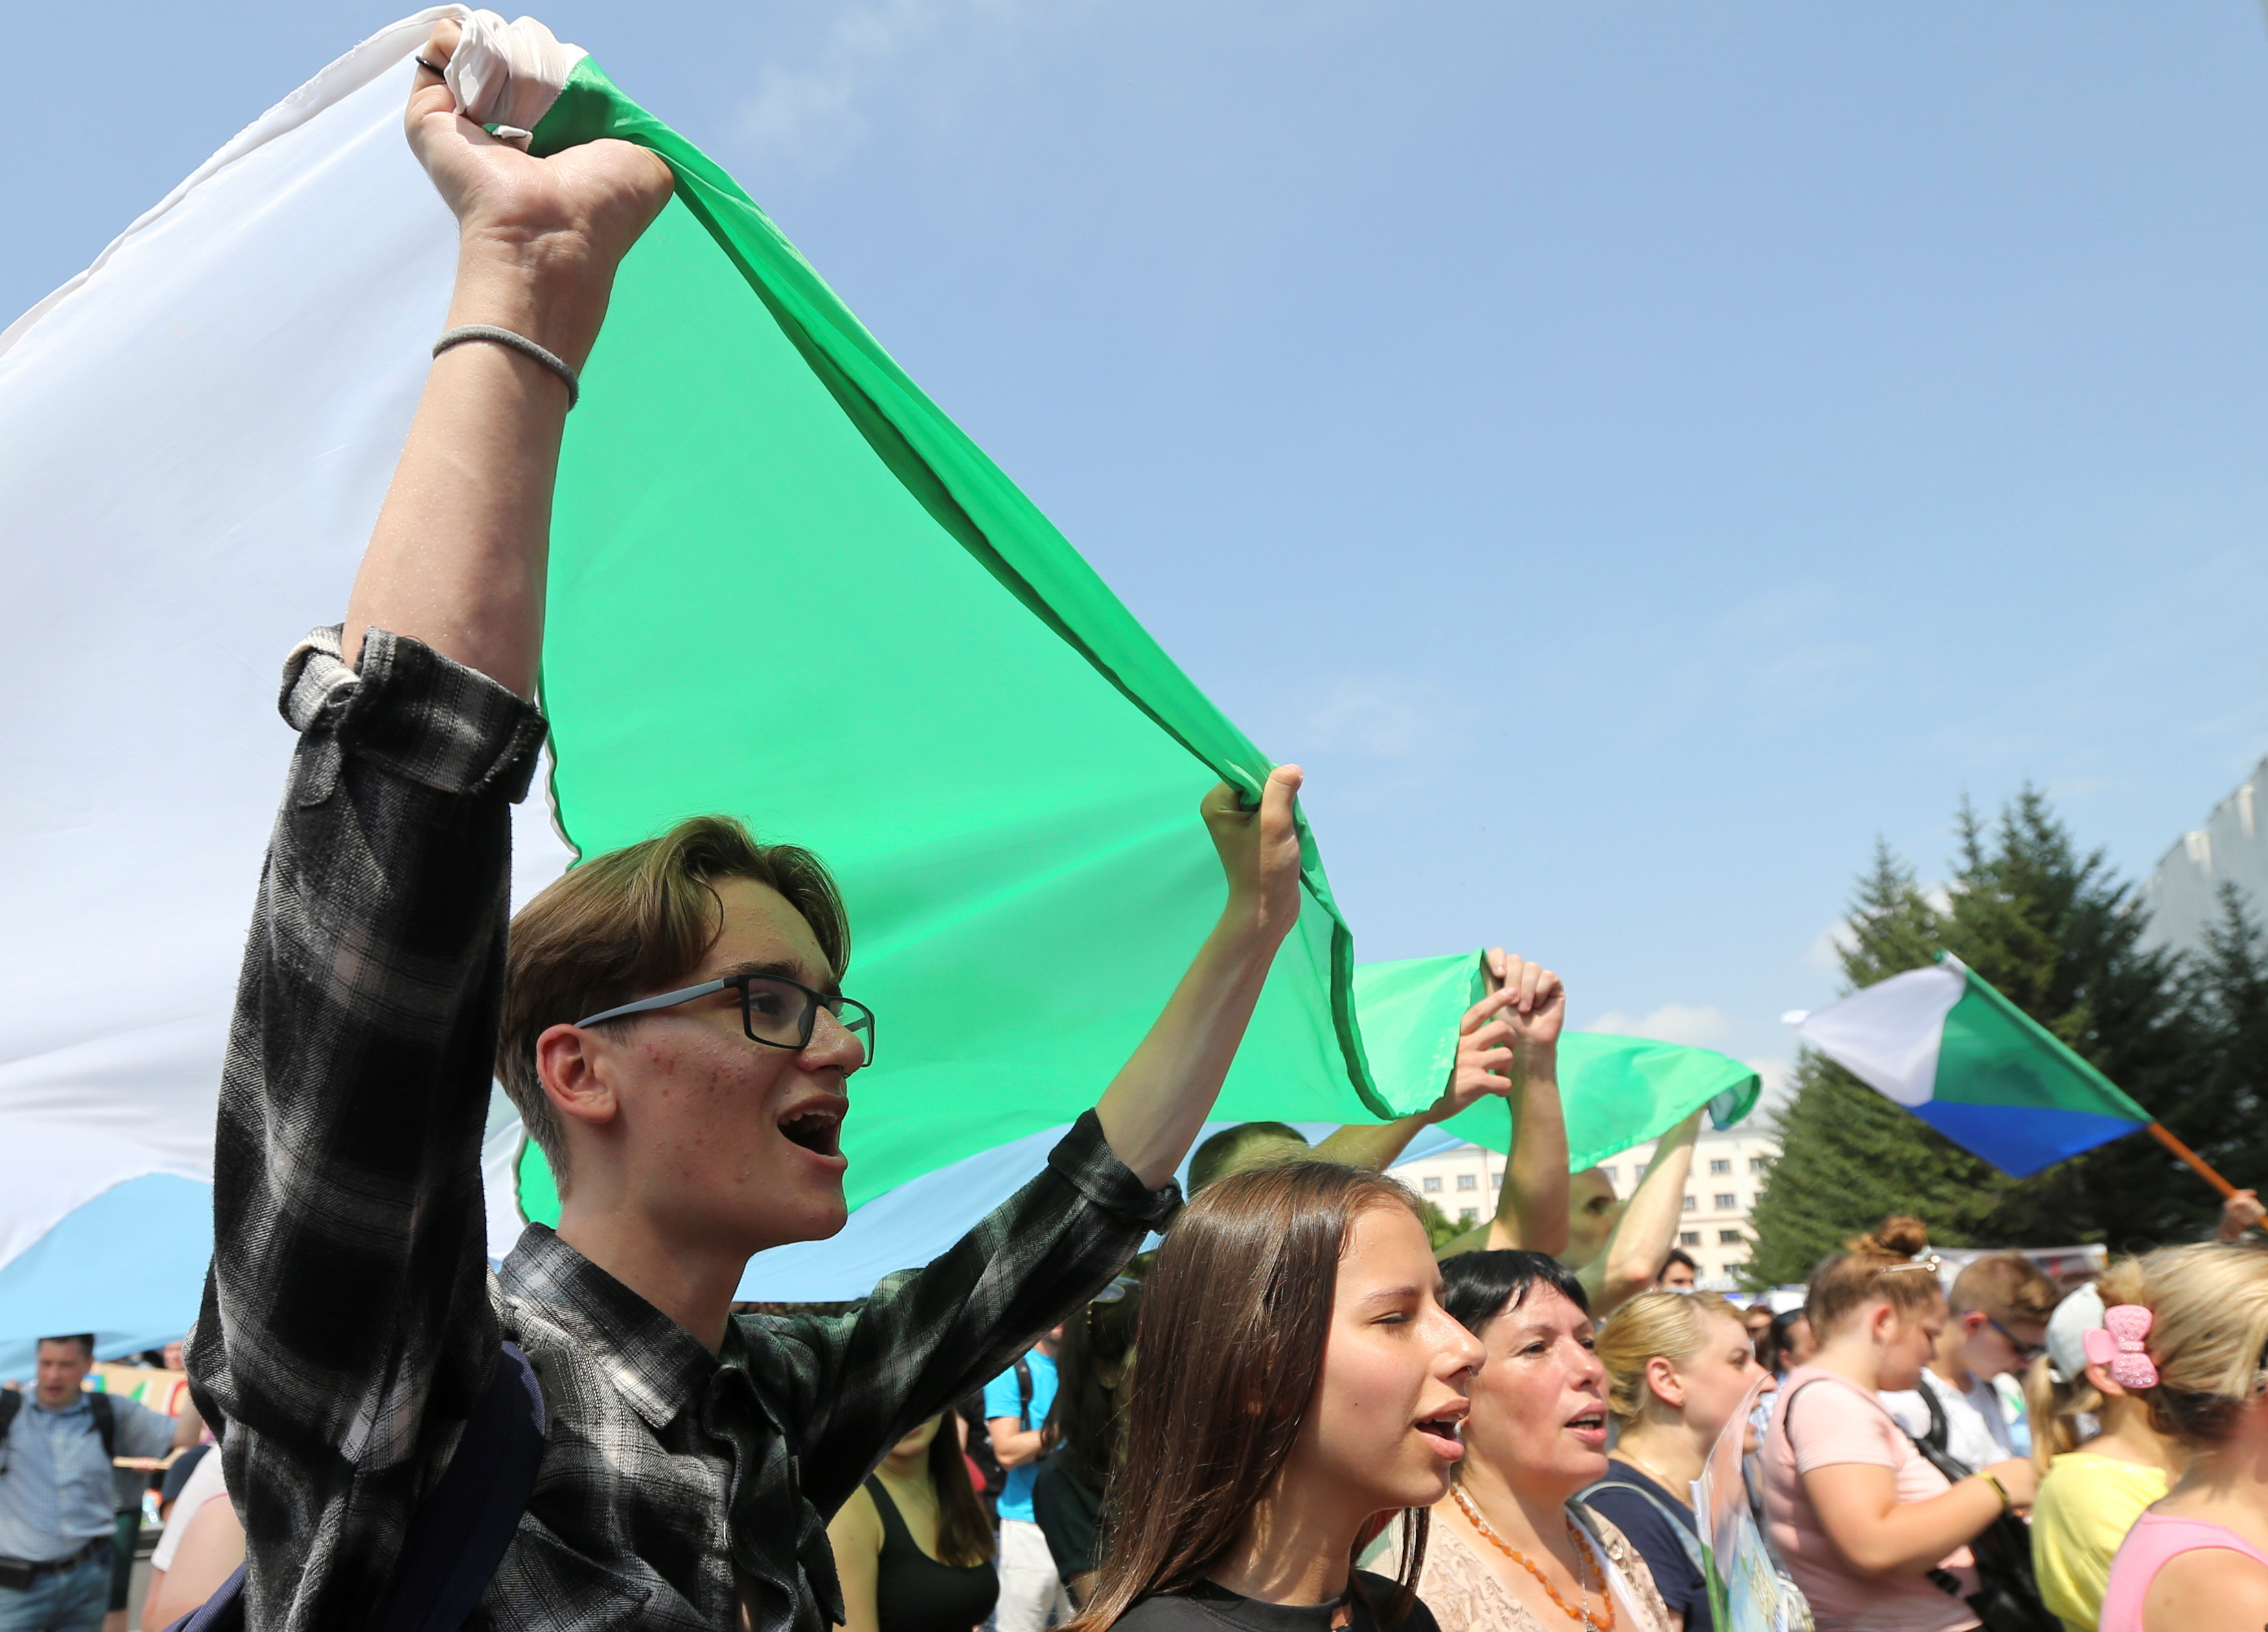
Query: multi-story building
1729	1170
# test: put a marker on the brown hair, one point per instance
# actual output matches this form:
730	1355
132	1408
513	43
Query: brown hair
2006	1286
1880	1265
1672	1325
2208	1338
1230	1349
2052	1408
634	923
964	1535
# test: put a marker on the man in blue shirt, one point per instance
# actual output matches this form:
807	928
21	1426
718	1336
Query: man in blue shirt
58	1502
1016	1411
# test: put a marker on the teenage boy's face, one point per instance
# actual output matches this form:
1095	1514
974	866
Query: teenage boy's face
723	1141
1382	1431
1987	1352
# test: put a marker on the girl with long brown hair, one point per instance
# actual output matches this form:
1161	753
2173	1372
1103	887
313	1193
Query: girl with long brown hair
912	1547
1295	1377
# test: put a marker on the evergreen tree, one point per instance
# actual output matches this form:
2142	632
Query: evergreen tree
2061	936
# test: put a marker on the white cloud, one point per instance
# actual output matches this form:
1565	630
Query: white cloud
1384	718
1825	952
1695	1025
810	115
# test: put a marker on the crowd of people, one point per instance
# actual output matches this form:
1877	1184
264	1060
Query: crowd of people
1298	1415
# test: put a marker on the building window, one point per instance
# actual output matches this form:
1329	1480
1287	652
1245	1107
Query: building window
1495	1181
1689	1237
1432	1184
1691	1205
1759	1164
1719	1166
1726	1202
1469	1181
1614	1175
1637	1174
1728	1237
1468	1215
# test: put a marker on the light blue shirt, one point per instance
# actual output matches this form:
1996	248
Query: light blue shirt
1000	1400
57	1494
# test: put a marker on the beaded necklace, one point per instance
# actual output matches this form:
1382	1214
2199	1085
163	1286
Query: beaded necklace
1578	1613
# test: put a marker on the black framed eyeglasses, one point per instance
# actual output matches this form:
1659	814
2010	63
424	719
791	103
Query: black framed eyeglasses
2025	1352
775	1011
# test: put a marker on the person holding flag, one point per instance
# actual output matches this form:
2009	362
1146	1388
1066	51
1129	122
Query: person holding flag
670	1025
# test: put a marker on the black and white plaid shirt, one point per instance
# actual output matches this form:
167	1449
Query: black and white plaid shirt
349	1320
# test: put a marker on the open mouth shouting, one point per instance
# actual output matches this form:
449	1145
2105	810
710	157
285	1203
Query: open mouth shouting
816	1127
1442	1431
1589	1427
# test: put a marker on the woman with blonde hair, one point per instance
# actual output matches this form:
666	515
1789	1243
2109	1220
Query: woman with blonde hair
1872	1532
1296	1375
2100	1461
2193	1347
1678	1366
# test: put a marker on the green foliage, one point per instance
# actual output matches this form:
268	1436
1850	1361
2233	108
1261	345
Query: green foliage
2058	932
1440	1229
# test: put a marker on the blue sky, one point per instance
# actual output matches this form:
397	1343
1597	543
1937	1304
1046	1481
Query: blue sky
1631	455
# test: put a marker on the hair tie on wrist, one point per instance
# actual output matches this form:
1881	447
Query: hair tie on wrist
521	343
2116	1344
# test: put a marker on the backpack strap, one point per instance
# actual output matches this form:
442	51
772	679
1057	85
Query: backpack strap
1024	1392
460	1533
1686	1538
462	1528
106	1423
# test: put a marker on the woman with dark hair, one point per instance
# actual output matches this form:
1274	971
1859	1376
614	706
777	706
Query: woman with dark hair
912	1545
1084	1427
1296	1375
1515	1551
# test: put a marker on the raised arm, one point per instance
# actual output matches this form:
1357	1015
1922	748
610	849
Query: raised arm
1647	1229
1483	1051
1531	1206
1155	1106
347	1146
458	557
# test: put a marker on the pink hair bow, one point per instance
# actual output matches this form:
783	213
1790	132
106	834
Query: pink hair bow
2117	1343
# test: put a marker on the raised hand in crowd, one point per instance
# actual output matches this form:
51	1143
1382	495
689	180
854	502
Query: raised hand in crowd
1510	1046
1617	1260
2240	1212
458	557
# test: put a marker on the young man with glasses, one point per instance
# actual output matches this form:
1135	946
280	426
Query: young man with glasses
670	1023
1996	1325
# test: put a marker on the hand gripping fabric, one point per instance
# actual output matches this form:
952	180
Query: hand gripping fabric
462	1527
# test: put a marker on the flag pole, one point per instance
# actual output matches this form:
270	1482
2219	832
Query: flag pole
2197	1163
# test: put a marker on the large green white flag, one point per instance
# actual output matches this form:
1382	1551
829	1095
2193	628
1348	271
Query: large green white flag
784	585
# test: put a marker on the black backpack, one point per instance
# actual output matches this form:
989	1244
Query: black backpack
979	1437
2007	1596
459	1532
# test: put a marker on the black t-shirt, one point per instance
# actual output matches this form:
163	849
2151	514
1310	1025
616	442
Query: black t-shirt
1070	1515
1667	1545
1206	1607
